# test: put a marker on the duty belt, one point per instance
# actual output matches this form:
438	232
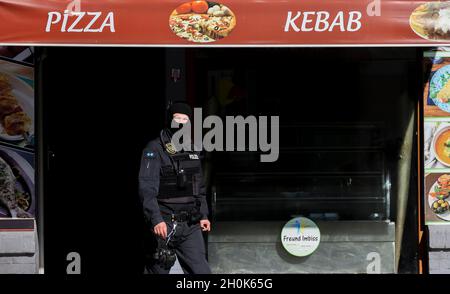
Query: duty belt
183	216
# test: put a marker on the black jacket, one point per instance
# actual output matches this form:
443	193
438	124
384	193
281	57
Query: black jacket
155	161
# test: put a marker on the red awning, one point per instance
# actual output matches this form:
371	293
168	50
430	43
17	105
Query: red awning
228	22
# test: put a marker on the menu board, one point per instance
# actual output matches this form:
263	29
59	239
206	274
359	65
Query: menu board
437	137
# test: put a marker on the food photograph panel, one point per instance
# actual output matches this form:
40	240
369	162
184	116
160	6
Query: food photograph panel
437	144
202	21
431	21
17	183
437	191
437	88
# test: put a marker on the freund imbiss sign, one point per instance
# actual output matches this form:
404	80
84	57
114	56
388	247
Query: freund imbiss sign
300	236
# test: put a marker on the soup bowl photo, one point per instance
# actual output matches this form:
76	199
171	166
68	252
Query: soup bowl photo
441	145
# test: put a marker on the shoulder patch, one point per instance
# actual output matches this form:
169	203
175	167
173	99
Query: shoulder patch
149	154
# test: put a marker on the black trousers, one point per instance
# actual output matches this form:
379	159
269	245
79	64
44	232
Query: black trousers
189	246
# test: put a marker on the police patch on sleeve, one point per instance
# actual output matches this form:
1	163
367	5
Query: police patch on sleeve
149	154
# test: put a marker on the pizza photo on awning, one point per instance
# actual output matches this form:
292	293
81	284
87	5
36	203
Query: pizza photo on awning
431	21
202	21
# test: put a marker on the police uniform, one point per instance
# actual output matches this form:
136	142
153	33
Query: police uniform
172	190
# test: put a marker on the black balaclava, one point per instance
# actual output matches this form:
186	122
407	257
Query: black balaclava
178	107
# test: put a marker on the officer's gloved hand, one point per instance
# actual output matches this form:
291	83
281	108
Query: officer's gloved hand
161	230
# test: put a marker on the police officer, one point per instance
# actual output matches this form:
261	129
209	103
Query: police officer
173	194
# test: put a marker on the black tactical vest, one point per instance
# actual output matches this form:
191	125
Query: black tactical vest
180	178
